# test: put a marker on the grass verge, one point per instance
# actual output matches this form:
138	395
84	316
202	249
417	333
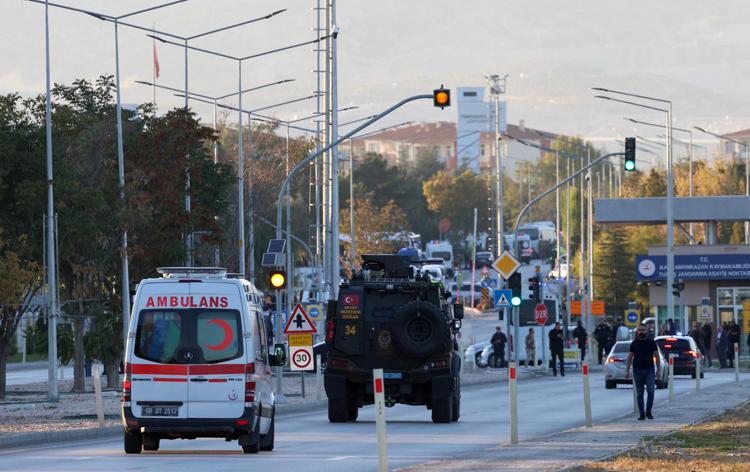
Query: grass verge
721	443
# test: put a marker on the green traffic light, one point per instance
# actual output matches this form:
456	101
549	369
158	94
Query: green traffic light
629	165
515	301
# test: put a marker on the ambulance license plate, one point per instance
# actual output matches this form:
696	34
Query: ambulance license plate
160	410
392	375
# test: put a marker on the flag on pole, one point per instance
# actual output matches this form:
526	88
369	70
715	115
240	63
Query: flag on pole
156	62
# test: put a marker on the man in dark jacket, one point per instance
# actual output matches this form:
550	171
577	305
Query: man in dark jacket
602	333
707	341
498	345
556	337
582	336
721	345
697	334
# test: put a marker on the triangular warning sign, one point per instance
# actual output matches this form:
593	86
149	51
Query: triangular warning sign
299	322
503	300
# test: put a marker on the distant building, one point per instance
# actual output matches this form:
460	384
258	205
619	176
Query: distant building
731	150
402	145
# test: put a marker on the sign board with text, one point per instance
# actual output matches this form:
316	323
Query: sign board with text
598	308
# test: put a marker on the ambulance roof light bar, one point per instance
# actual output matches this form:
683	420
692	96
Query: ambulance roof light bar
177	272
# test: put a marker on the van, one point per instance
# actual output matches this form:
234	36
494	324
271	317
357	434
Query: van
197	362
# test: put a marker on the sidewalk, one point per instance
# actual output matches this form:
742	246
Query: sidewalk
580	445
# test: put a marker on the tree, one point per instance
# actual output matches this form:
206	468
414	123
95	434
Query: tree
614	270
374	226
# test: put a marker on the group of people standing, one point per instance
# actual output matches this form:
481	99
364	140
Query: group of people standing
607	334
726	337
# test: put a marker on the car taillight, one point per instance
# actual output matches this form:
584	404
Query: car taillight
612	360
249	383
341	363
330	331
127	384
439	364
693	353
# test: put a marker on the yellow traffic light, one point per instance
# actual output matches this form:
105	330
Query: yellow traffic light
277	279
441	97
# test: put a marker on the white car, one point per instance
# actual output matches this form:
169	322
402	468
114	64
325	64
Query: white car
197	362
615	367
434	271
473	353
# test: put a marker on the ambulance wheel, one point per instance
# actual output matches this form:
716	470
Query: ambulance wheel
442	410
266	440
133	442
251	442
150	442
338	411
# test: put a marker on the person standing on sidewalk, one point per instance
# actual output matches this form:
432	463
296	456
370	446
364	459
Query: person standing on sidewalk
498	345
556	349
697	336
602	334
643	353
733	338
530	348
721	345
582	336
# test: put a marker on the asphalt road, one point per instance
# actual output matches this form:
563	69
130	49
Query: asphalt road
306	441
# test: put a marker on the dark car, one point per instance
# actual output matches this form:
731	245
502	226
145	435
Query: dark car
484	259
388	318
684	351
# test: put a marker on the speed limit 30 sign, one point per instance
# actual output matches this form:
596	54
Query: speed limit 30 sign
301	358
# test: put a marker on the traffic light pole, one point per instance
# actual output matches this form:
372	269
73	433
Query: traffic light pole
536	199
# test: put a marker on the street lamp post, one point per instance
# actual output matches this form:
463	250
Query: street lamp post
241	164
670	179
125	275
497	88
747	170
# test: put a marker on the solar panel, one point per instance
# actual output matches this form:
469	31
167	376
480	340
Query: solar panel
276	246
269	260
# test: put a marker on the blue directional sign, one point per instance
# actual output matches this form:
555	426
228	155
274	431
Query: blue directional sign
503	298
489	283
631	319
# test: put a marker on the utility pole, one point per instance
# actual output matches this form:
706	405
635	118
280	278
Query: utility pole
334	155
497	88
590	289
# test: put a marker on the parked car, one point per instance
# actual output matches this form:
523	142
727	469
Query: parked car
473	353
321	349
484	258
615	368
685	351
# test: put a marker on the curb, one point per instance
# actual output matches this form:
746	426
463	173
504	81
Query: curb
57	436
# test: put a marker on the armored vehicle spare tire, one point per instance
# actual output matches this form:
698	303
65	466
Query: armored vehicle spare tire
419	329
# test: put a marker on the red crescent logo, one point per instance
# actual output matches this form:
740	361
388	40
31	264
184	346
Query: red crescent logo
228	335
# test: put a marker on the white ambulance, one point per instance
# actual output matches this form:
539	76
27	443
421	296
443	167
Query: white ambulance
197	362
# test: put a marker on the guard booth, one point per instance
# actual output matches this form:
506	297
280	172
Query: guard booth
715	281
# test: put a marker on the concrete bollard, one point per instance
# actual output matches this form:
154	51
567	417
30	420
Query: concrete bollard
586	394
513	391
671	377
378	388
736	362
98	396
635	398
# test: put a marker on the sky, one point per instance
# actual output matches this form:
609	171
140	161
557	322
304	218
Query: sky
688	51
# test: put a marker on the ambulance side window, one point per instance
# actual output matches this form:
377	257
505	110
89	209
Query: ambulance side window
261	348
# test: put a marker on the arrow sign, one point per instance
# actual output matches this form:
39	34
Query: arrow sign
299	322
502	298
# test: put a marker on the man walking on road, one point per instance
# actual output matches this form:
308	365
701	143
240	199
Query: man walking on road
582	336
643	353
498	345
530	348
556	349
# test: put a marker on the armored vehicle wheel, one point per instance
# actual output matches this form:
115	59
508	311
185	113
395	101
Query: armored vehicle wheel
353	411
442	410
338	411
456	413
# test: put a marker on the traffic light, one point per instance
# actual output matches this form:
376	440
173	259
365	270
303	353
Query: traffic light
277	279
629	154
441	97
535	288
514	284
677	287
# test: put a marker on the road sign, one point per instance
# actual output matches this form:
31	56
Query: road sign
301	358
300	339
299	322
485	294
489	283
540	314
598	308
631	319
705	313
315	312
503	298
506	265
